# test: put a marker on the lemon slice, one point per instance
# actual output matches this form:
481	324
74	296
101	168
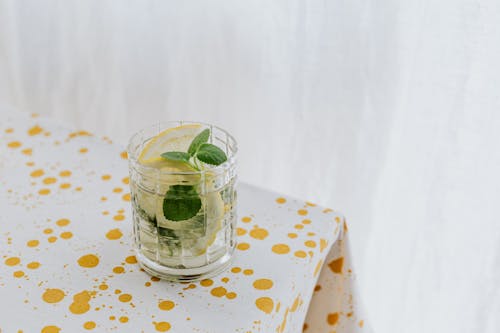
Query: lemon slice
173	139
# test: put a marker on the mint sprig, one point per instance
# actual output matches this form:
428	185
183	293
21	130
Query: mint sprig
182	202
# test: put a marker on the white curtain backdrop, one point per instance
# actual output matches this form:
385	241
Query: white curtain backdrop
386	110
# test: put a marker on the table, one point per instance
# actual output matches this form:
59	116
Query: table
68	265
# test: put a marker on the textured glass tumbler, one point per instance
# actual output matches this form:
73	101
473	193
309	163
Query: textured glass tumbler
199	246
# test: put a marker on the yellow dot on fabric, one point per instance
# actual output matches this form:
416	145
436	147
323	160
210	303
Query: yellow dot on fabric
106	177
83	150
259	233
18	274
65	173
166	305
37	173
125	298
131	260
88	261
33	243
281	248
48	231
292	235
235	270
265	304
52	239
162	326
49	180
310	243
248	271
79	307
231	295
124	155
118	270
240	231
299	226
103	286
126	180
123	319
336	265
300	254
114	234
12	261
302	212
65	186
332	318
44	191
53	295
89	325
62	222
243	246
27	151
246	219
33	265
117	291
51	329
126	197
119	217
306	221
14	144
218	291
112	317
206	282
263	284
66	235
281	200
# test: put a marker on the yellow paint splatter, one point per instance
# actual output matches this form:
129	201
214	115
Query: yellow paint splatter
53	295
27	151
243	246
117	190
119	217
114	234
310	204
33	243
106	177
317	268
265	304
259	233
126	197
292	235
162	326
37	173
206	282
103	286
281	200
322	244
80	302
299	226
9	130
166	305
306	221
123	319
131	260
83	150
62	222
89	325
65	173
12	261
35	130
302	212
49	180
52	239
33	265
118	270
248	272
235	270
310	233
281	248
51	329
310	243
263	284
225	279
66	235
47	231
337	265
124	155
218	291
300	254
14	144
240	231
332	318
88	261
65	186
246	219
231	295
361	323
125	298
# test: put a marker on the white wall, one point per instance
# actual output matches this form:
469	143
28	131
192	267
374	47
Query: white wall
386	110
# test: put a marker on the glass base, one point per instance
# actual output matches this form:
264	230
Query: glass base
185	274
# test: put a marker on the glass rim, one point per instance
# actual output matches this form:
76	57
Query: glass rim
164	125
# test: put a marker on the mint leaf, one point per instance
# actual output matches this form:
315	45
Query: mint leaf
181	203
211	154
176	156
198	141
